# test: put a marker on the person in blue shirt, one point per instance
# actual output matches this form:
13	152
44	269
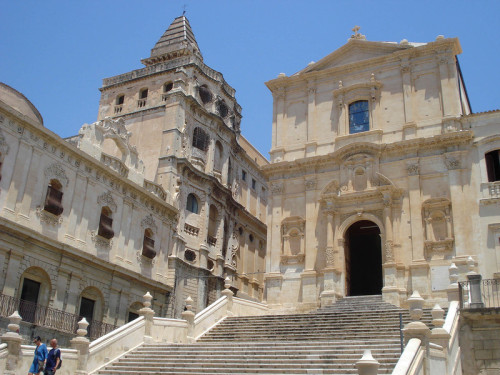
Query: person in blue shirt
40	357
53	358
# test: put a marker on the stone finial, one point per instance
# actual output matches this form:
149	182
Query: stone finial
437	316
14	321
367	365
82	327
416	303
189	303
372	77
440	37
453	273
281	75
470	266
227	283
147	300
404	42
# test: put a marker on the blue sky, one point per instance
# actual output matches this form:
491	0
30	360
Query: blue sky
57	52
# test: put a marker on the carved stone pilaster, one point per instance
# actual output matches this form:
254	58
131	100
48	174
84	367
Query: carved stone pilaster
389	251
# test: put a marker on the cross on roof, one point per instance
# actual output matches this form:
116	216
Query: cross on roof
356	29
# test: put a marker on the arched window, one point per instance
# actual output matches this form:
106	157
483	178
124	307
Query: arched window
493	165
229	173
53	199
218	157
143	96
205	94
359	117
222	108
192	204
200	139
35	294
106	224
120	99
212	225
148	244
168	86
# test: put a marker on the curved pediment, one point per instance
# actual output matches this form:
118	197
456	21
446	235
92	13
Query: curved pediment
352	149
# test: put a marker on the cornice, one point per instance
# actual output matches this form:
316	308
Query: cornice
79	162
394	57
396	148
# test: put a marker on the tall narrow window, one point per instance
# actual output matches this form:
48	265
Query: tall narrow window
493	165
106	224
192	204
148	244
120	99
359	117
243	175
200	139
53	199
205	94
143	96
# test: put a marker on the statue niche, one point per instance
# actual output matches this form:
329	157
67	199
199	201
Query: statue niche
438	227
292	229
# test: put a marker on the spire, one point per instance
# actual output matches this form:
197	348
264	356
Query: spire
177	41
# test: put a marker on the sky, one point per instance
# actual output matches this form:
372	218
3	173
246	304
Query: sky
57	52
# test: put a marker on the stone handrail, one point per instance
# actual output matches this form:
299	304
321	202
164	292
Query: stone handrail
411	361
210	316
115	344
243	307
451	325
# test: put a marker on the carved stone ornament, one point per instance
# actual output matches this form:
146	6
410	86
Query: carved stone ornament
47	217
149	222
57	171
4	147
310	184
452	163
292	259
101	241
389	251
439	247
277	188
106	199
330	257
413	169
144	260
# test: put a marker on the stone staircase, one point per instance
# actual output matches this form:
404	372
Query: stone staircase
327	341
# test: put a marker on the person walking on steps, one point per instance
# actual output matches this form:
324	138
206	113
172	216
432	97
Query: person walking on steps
53	358
40	357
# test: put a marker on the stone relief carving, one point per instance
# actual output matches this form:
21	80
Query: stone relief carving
144	260
100	241
277	188
330	257
56	170
413	169
4	147
234	247
389	251
149	222
452	163
106	199
293	229
310	184
47	217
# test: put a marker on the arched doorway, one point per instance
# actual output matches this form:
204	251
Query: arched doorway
363	259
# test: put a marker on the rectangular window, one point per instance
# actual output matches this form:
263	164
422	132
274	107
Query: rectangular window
359	117
254	183
243	175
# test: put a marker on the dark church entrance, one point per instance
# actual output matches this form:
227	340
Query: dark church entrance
363	259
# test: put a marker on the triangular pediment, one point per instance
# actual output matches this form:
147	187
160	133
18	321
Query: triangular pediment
355	51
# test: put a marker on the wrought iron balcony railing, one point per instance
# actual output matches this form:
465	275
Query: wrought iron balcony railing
476	293
50	318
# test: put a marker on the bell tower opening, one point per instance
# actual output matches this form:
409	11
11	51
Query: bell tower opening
363	259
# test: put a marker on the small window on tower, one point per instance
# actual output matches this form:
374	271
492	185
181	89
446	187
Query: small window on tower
120	99
493	165
243	175
168	86
254	183
143	94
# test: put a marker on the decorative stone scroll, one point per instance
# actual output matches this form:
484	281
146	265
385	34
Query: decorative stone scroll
101	241
47	217
106	199
149	222
57	171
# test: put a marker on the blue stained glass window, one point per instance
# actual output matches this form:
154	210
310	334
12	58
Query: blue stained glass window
359	117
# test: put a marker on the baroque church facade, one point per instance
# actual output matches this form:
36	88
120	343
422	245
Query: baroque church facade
380	178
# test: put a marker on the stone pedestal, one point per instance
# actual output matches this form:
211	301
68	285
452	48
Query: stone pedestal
13	340
330	293
309	293
81	344
188	315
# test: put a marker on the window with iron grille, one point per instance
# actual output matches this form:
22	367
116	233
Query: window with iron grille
200	139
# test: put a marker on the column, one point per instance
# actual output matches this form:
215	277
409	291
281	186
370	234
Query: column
407	90
33	184
311	112
415	203
12	276
279	98
461	219
388	246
